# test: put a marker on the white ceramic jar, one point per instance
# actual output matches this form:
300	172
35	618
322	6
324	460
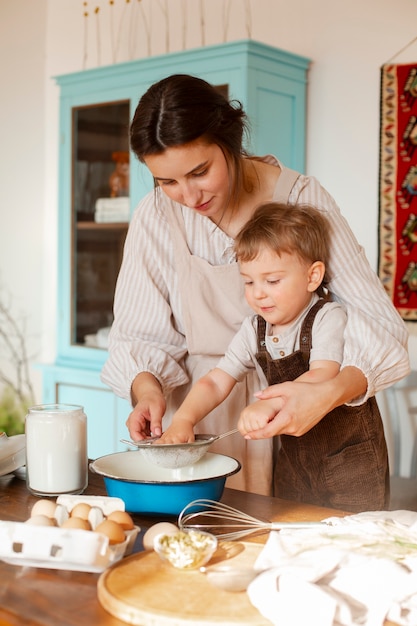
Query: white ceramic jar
56	449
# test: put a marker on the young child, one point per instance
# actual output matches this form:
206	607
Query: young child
295	334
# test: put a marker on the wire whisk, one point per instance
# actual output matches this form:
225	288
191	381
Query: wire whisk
228	523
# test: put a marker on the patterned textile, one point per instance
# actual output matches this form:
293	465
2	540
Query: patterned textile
398	187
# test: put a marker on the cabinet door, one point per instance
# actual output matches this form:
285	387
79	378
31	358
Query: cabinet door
106	416
278	119
100	209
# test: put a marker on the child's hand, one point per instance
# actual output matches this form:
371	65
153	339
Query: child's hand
255	417
180	431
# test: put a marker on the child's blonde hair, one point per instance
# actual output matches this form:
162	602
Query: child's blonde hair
300	230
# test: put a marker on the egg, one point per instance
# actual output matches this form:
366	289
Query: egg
40	520
77	523
112	530
43	507
162	528
81	510
122	518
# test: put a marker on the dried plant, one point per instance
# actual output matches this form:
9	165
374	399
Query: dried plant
16	393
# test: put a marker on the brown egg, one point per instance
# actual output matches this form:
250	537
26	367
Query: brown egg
161	528
112	530
43	507
40	520
81	510
122	518
76	522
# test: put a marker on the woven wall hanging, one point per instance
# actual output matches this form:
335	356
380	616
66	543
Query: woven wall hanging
398	187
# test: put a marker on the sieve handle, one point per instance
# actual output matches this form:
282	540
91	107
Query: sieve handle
229	432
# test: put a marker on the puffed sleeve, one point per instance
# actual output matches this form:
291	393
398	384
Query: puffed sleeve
146	335
375	335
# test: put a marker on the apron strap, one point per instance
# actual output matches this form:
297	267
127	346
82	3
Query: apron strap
284	185
307	326
261	324
176	221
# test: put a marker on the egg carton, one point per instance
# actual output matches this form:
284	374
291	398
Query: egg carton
105	503
64	548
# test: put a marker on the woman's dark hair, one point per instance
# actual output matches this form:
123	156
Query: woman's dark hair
182	108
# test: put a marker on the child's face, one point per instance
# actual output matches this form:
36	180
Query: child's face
277	287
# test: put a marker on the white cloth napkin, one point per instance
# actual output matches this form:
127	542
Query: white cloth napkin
356	570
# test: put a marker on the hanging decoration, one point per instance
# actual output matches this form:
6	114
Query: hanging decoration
128	27
184	24
248	16
398	187
226	18
164	9
85	38
202	24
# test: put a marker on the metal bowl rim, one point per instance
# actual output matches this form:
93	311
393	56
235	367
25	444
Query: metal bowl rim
165	482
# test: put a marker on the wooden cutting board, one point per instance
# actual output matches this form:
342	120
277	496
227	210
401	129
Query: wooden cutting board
145	591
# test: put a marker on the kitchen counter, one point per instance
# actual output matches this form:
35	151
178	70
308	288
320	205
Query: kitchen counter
35	596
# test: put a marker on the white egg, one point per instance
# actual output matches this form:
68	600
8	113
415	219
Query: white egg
161	528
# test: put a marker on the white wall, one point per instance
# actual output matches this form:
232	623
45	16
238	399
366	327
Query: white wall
22	166
347	43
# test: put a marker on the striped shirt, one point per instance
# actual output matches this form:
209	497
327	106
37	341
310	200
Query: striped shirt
147	334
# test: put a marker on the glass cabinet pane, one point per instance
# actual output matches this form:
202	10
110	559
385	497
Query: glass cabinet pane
100	210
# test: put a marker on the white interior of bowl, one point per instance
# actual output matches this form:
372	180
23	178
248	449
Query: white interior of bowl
132	466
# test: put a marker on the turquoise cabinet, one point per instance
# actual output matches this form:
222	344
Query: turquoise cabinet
100	183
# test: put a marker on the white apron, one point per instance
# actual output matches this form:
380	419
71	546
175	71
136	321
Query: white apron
213	307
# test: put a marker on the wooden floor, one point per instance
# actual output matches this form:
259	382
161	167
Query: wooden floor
403	493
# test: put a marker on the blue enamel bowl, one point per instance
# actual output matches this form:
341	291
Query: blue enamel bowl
153	490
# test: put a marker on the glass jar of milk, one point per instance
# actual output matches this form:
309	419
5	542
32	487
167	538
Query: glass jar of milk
56	449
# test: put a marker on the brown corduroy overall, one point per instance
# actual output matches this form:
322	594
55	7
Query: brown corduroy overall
342	462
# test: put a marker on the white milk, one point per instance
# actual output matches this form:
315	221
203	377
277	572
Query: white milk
56	449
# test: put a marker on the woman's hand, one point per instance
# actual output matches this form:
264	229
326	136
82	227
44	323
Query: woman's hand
290	408
293	408
150	405
255	417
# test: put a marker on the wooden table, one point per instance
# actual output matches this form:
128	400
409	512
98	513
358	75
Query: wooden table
35	596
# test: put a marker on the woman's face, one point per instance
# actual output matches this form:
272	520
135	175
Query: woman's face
195	175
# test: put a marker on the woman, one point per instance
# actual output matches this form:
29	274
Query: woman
179	298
